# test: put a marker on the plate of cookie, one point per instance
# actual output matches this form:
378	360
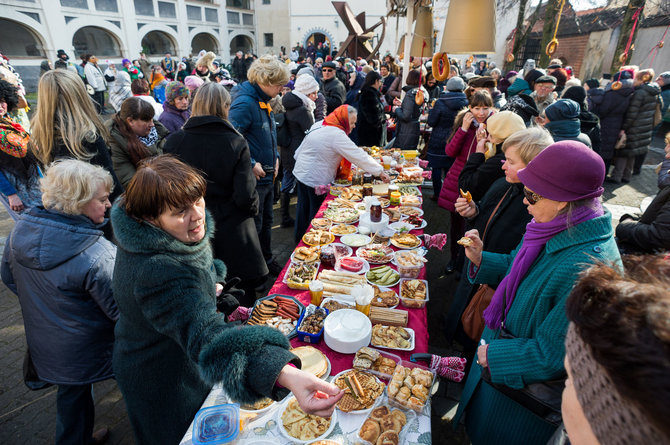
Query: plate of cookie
299	427
361	391
277	311
385	425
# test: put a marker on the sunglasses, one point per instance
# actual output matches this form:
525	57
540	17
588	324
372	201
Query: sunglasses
327	70
532	197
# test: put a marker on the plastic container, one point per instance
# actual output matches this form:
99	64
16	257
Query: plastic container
379	374
424	408
411	302
307	337
408	271
409	415
411	200
217	424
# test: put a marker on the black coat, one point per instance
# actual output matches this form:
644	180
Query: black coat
441	119
408	129
503	235
371	118
480	173
650	232
611	112
335	94
213	146
299	120
590	126
639	121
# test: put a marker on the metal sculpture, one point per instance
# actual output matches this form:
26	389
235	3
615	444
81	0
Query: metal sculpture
359	41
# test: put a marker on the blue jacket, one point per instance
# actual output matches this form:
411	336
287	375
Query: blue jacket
441	118
256	124
61	267
538	320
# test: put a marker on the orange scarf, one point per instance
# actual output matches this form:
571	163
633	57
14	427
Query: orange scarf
156	78
340	118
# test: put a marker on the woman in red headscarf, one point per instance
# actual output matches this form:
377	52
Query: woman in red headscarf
317	159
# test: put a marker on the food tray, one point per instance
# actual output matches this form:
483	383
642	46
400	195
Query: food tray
409	414
411	272
331	238
360	411
306	337
351	304
364	269
411	345
409	190
404	209
301	308
360	253
425	409
386	354
300	286
411	302
291	439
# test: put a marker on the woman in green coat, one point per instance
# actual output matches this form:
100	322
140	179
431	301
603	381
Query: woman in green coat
171	345
569	230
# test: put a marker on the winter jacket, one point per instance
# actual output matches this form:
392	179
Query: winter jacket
61	268
95	78
386	85
123	165
256	124
460	147
171	344
214	147
504	232
543	103
408	130
639	120
665	96
371	122
299	121
650	232
518	86
479	173
441	119
172	118
538	320
498	99
239	70
120	91
664	174
611	112
594	97
320	110
335	94
100	155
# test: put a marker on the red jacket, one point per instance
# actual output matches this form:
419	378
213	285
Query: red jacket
460	147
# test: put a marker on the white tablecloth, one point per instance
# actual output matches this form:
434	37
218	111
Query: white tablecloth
264	429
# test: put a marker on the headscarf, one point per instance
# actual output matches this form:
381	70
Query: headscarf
340	118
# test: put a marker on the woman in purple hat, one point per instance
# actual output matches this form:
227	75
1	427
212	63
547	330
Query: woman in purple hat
526	324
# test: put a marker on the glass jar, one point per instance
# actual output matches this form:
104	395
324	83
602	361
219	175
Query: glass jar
367	190
395	198
375	212
367	178
393	188
357	178
328	256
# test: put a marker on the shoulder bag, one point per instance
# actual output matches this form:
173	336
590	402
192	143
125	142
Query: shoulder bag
473	318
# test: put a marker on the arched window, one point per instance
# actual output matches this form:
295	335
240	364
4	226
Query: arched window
19	41
157	43
204	41
94	40
241	43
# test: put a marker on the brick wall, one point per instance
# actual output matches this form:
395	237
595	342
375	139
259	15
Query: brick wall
572	51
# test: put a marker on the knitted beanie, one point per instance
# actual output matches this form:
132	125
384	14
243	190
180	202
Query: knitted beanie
613	419
592	83
305	70
174	90
565	171
193	82
562	109
504	124
578	94
306	85
455	84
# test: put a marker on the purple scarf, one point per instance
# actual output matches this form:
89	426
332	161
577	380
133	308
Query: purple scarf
536	237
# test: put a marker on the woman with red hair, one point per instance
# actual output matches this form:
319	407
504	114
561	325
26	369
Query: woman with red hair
318	157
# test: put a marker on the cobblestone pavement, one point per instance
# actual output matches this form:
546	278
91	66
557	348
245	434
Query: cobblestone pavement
29	417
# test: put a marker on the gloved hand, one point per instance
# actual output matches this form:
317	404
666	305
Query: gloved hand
229	298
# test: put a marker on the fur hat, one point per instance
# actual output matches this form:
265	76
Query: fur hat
306	85
504	124
207	60
455	84
483	82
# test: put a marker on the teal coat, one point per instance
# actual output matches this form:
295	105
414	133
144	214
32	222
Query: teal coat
538	319
171	345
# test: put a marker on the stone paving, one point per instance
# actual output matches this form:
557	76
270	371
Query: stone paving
29	417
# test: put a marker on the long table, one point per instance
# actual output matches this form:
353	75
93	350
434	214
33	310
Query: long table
264	429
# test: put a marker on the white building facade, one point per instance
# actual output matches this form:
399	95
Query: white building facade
33	30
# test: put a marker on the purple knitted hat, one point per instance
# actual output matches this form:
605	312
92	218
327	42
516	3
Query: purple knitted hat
565	171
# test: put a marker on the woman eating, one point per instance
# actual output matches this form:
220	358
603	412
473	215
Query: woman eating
134	135
171	344
209	143
318	157
526	324
59	264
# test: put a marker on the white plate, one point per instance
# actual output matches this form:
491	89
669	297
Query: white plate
282	430
360	411
354	232
411	346
258	412
355	240
365	269
348	249
415	208
397	226
385	289
394	283
424	223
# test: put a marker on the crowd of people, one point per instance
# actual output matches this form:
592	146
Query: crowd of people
141	239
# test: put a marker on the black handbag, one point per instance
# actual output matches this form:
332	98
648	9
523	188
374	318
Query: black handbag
542	398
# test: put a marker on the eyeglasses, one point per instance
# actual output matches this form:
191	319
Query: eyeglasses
327	70
532	197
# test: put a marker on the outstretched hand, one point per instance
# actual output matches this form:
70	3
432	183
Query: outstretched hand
315	396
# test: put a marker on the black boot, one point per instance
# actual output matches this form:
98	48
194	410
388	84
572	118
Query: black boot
284	204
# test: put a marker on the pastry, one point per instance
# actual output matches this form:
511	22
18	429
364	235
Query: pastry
313	360
390	423
361	390
303	426
466	195
379	413
402	418
465	241
370	431
403	394
388	438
